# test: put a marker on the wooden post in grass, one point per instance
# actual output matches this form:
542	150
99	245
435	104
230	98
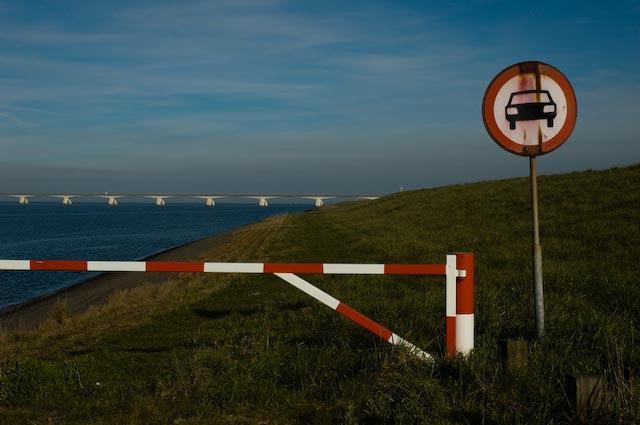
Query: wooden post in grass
513	354
586	394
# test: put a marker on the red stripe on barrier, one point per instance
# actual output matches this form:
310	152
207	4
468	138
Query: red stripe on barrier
364	321
450	336
465	286
423	269
162	266
59	265
293	268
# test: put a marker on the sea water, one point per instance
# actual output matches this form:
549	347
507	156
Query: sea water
97	232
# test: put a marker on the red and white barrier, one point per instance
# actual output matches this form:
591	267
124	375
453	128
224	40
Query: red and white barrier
458	272
208	267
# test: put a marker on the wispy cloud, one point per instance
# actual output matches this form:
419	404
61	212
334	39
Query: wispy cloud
202	83
11	118
51	36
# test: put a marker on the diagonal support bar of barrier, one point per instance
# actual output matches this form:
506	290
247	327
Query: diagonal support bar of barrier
351	314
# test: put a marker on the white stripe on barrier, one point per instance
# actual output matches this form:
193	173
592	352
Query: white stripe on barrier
464	333
116	266
309	289
15	265
451	272
234	267
333	268
396	339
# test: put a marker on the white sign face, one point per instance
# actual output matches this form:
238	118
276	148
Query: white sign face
529	109
520	92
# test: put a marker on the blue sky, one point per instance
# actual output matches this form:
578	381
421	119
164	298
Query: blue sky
296	96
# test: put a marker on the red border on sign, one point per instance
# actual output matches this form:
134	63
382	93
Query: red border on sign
506	143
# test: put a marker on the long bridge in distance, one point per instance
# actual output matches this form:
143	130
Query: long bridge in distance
209	200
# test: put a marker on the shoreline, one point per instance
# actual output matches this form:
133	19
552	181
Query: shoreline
11	307
96	290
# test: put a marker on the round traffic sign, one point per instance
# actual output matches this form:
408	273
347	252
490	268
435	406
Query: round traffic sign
529	108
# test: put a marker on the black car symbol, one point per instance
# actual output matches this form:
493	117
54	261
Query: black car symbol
530	105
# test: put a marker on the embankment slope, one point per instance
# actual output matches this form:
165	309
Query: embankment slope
246	349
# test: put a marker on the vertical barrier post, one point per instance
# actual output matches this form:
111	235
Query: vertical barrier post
465	304
450	306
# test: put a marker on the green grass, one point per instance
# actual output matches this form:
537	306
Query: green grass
251	349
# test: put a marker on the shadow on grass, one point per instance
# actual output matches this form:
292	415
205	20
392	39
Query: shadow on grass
244	311
219	314
160	349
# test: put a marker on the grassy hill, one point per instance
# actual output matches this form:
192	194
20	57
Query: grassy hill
247	349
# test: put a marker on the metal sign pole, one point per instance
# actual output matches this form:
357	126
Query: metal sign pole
530	109
537	251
